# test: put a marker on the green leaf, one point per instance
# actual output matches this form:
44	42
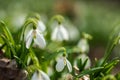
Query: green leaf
6	32
84	64
9	45
90	71
109	66
113	41
81	65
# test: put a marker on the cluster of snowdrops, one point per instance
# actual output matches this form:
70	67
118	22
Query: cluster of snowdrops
47	54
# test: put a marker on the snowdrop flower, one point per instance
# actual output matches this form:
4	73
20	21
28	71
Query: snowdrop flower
73	32
40	75
83	45
38	38
61	63
41	27
60	33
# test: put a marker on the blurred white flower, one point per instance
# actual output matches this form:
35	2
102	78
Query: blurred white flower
38	38
60	33
17	20
61	63
41	27
83	45
73	31
40	75
83	57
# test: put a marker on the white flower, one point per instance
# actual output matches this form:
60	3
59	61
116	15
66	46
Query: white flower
74	33
61	63
17	21
40	75
83	45
38	38
60	33
41	27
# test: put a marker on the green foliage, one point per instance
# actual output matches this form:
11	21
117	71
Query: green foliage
34	58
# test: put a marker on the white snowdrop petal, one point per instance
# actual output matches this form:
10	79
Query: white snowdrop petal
60	65
41	27
54	33
44	76
29	40
36	76
28	35
69	65
73	32
64	32
59	35
39	40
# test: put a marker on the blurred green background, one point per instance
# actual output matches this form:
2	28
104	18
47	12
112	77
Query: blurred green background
96	17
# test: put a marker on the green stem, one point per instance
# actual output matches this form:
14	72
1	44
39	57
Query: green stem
59	18
62	49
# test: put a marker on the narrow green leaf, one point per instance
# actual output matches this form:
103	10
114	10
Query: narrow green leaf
84	64
109	66
90	71
9	44
6	32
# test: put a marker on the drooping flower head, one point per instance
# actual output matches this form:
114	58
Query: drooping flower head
83	46
62	62
59	33
83	43
35	35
